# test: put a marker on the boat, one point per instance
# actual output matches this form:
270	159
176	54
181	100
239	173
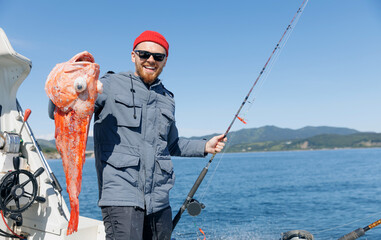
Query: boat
31	203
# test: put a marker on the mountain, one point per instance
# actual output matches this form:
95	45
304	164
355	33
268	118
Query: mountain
272	138
323	141
47	143
51	144
272	133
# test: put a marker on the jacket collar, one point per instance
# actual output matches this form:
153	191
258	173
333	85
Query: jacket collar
138	78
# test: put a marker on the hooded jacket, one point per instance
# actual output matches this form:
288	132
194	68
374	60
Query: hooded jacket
135	136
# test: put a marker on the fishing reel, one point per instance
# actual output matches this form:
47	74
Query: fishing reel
297	235
194	207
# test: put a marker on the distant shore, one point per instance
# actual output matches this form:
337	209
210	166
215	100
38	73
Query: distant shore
90	154
57	156
272	138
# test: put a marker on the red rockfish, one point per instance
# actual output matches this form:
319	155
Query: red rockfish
73	87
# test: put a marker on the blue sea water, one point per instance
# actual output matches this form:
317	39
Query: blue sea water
260	195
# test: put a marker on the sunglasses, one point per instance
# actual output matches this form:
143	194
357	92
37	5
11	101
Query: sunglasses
145	55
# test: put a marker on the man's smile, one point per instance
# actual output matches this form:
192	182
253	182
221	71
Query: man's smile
150	69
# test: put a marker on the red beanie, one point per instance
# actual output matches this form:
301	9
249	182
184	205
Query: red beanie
152	36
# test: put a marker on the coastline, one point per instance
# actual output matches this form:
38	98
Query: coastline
57	156
90	154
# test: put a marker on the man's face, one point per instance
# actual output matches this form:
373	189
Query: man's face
148	69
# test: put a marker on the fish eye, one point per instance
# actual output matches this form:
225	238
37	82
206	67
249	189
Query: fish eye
80	84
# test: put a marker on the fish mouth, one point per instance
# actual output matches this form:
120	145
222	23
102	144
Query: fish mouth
83	57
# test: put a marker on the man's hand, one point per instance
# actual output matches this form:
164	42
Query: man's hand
215	144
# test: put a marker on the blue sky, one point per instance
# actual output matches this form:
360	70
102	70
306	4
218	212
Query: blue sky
327	74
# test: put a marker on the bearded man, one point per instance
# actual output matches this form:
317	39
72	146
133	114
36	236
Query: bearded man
135	136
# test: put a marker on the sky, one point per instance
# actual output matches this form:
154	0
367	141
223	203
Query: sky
327	74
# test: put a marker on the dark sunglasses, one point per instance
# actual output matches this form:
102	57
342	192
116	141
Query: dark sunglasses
145	55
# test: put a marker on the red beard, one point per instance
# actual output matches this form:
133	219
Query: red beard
147	78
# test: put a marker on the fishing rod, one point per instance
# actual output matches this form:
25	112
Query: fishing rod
360	231
193	206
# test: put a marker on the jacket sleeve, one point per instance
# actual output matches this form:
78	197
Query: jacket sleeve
51	108
184	147
101	99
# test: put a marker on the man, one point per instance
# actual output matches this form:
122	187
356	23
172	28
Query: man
135	134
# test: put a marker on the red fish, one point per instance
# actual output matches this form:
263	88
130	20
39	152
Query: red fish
73	87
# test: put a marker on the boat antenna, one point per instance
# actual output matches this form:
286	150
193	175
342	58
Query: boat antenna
189	201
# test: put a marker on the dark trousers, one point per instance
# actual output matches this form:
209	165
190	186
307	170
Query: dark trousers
130	223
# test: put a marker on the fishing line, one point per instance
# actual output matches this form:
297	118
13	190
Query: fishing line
346	224
206	168
199	230
221	155
267	71
264	74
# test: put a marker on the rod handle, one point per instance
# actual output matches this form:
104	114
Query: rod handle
177	218
353	235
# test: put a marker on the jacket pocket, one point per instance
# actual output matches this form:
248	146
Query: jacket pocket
165	164
128	112
166	119
164	176
125	163
122	160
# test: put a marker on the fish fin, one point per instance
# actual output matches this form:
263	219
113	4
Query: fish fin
74	217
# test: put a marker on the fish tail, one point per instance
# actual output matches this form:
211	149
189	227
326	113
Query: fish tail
74	216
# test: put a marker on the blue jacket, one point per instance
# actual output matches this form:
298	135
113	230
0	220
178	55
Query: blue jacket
135	134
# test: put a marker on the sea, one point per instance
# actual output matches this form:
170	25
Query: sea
261	195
